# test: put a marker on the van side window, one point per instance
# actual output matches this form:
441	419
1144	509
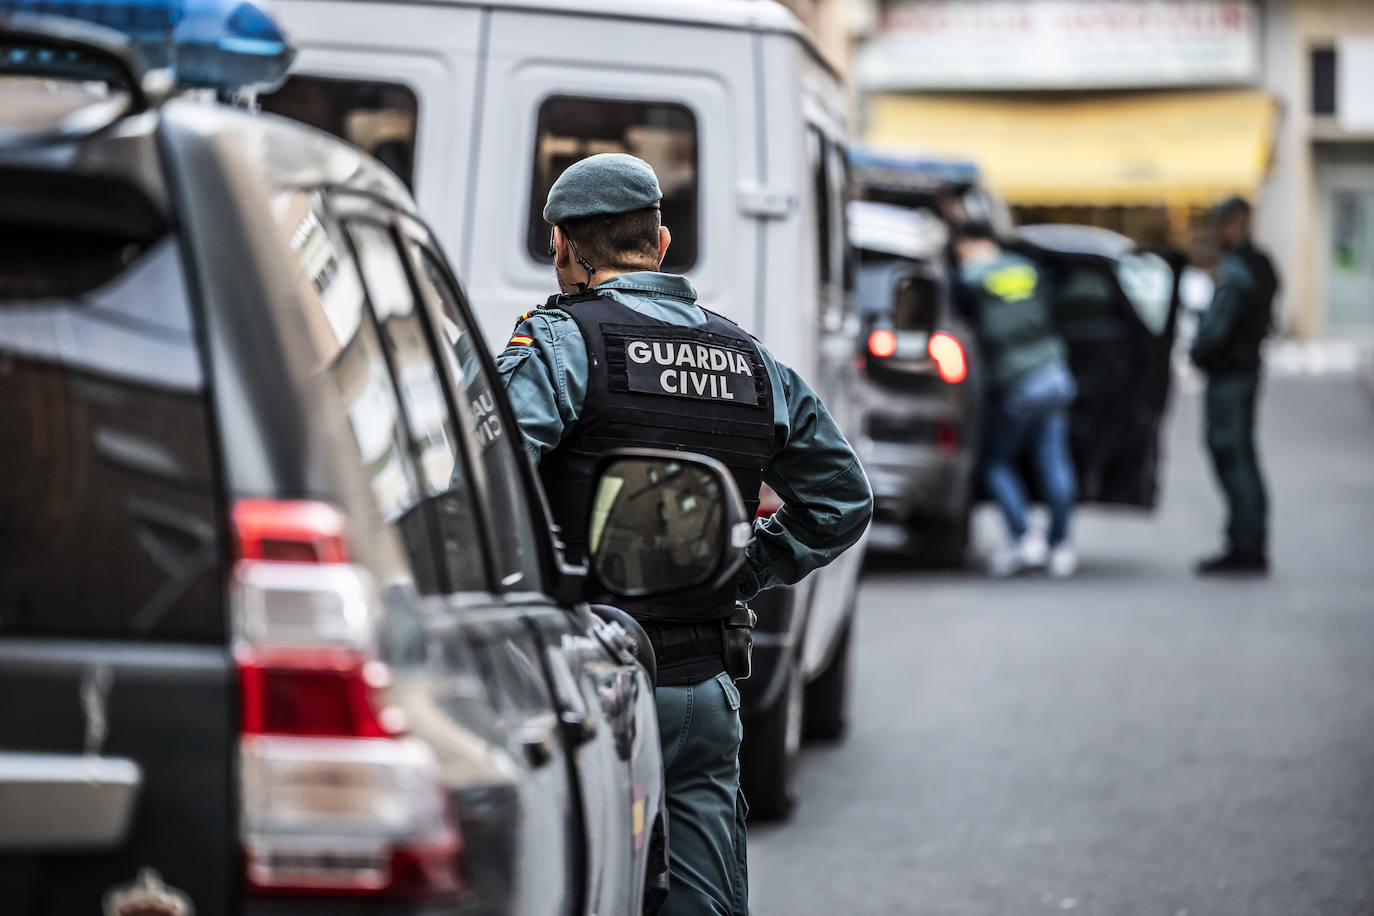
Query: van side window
377	117
841	193
828	173
663	134
818	167
516	550
433	438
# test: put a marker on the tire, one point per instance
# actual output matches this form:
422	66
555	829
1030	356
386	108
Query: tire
827	697
770	751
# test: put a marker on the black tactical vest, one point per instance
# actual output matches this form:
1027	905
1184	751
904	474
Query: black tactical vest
652	384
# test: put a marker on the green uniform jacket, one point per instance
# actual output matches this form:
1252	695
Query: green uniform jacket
1015	332
1230	332
827	501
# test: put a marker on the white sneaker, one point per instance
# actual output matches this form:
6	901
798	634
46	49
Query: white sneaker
1063	561
1031	551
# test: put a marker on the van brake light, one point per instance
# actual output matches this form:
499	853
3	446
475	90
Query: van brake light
882	343
948	354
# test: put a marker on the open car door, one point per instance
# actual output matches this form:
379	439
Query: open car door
1116	307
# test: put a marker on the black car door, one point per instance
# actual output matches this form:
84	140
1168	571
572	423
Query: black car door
1116	314
482	624
604	698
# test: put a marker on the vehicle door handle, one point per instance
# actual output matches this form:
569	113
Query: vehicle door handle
539	749
578	727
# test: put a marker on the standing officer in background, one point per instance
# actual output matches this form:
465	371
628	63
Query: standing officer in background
625	357
1227	349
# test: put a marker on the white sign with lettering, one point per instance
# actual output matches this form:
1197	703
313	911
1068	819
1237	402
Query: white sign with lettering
1061	44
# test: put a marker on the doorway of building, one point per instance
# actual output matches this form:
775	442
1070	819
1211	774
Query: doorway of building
1349	255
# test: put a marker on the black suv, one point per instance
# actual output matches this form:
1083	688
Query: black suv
283	624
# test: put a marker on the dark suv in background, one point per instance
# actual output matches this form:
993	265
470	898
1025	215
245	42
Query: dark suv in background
283	623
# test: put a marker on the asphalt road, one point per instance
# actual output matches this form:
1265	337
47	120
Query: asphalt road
1132	741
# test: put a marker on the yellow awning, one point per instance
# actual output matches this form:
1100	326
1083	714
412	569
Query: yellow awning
1175	149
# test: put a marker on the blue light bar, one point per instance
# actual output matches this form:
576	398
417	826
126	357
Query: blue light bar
913	170
213	44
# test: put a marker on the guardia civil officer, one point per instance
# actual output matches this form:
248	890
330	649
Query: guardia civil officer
1227	349
625	357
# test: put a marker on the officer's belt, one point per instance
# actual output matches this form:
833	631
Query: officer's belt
687	653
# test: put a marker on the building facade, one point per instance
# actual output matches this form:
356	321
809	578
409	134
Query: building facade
1318	205
1137	115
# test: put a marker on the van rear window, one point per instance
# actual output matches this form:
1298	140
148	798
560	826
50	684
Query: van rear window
375	116
108	520
663	134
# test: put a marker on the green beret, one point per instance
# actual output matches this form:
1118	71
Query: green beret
602	185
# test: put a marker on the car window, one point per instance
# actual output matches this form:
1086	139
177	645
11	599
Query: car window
1148	282
376	116
350	355
108	515
517	555
433	437
914	304
663	134
1084	293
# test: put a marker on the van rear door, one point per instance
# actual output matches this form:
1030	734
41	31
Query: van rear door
117	697
562	86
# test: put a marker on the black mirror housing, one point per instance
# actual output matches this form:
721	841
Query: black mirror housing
664	522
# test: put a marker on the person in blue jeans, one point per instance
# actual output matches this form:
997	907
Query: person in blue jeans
1031	389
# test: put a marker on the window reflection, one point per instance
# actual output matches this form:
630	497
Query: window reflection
517	556
351	357
433	436
655	524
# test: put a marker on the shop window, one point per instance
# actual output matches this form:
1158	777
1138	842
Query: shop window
374	116
661	133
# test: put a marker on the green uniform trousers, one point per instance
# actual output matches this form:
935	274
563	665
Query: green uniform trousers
700	730
1230	418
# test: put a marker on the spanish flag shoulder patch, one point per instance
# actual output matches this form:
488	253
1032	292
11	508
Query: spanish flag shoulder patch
520	340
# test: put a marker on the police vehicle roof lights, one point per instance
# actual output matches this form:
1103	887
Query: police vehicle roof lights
225	45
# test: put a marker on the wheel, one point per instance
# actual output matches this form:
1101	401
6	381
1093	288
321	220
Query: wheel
827	697
943	543
768	755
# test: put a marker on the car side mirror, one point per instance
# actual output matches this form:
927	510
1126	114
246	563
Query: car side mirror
664	522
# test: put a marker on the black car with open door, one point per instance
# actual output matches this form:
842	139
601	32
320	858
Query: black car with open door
1116	306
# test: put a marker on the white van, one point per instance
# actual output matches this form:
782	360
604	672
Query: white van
479	105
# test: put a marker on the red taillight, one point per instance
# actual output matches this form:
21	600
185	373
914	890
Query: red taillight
948	354
322	693
882	343
336	799
769	502
294	531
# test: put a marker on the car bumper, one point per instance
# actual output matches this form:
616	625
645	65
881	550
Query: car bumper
916	480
